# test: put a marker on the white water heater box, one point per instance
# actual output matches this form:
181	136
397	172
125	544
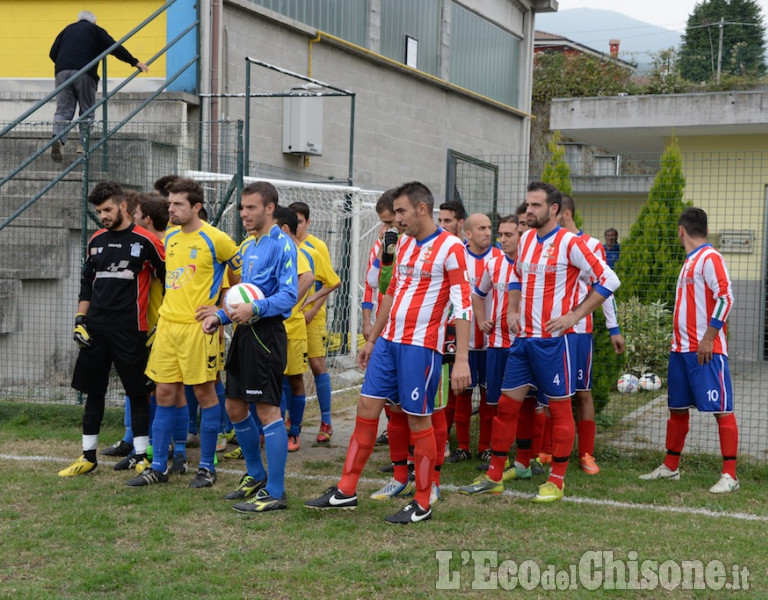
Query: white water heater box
303	122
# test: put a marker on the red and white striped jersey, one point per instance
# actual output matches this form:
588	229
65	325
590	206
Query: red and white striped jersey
704	297
476	264
549	269
371	292
498	274
429	277
609	306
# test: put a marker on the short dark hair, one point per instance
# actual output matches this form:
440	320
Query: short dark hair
132	199
553	194
509	219
162	184
300	207
694	221
155	206
457	208
521	209
105	190
266	190
286	216
185	185
416	192
386	201
567	204
611	230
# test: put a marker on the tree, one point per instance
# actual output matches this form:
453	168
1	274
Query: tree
743	45
650	258
556	170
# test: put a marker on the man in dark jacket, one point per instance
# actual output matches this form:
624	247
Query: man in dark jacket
76	46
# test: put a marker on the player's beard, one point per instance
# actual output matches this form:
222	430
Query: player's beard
116	223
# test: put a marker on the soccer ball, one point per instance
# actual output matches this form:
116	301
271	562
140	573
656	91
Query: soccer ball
627	384
649	382
242	292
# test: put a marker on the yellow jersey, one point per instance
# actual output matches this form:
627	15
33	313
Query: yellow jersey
155	298
295	325
323	270
194	267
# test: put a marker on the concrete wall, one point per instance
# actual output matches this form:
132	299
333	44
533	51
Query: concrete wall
404	123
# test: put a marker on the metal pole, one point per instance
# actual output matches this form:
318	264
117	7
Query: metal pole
239	176
247	143
720	49
351	140
104	117
354	275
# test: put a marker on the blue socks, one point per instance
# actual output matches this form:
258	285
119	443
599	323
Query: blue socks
180	426
249	438
192	405
162	428
276	447
323	386
128	436
210	420
296	406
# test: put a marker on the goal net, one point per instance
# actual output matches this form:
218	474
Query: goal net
345	218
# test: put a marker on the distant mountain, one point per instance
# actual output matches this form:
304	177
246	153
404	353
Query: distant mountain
593	28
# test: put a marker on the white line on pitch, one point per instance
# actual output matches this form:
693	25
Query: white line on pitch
452	488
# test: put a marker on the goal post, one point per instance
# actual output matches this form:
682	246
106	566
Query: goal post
344	217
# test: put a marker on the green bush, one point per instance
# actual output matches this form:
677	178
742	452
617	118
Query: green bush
608	366
647	332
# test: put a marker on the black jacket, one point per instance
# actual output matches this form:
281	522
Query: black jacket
81	42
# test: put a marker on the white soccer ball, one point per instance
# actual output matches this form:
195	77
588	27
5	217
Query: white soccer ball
627	384
240	293
649	382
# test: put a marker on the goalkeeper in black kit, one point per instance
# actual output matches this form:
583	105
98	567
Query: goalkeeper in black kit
111	321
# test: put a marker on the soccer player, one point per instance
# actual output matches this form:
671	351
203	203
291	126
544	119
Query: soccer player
296	330
479	251
543	312
451	217
196	256
584	344
152	214
257	353
698	363
315	315
403	354
111	320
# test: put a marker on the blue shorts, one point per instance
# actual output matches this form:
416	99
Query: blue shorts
403	375
477	367
581	355
544	363
707	387
495	362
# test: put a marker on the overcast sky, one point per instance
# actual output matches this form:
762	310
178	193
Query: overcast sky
671	14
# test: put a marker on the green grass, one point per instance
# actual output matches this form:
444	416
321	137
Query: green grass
92	537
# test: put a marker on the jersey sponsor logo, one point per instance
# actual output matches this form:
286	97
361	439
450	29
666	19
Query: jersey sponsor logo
537	268
136	249
415	272
114	245
177	278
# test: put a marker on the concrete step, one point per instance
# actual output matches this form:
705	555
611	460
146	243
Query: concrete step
63	210
35	250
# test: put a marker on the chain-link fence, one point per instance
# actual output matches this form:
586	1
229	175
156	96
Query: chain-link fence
612	192
42	250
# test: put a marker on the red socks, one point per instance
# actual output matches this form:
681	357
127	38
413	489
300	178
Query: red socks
546	435
563	434
360	448
424	463
462	417
729	442
538	431
677	430
486	413
399	435
441	435
525	426
503	434
586	437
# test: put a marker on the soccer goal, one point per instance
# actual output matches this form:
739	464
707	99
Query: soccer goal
344	217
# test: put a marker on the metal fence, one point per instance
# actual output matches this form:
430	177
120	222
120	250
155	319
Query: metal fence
610	192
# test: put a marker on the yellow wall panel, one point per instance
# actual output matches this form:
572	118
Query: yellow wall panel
28	28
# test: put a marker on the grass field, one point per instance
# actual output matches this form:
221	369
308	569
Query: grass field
92	537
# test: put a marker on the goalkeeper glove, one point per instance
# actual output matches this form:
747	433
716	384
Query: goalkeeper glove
389	243
81	335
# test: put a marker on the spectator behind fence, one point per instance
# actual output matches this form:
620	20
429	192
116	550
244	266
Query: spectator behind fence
612	246
77	45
